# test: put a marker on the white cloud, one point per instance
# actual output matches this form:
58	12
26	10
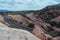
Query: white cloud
25	4
46	2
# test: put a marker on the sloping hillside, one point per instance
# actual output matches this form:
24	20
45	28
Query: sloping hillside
45	21
41	20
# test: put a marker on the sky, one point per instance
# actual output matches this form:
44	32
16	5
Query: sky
20	5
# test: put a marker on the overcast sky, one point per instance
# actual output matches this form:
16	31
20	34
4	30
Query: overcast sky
18	5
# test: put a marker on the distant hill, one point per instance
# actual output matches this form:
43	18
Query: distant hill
52	7
47	8
3	10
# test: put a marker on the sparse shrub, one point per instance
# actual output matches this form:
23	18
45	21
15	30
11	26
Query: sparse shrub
47	20
53	23
54	33
20	22
59	33
15	20
50	29
31	25
58	25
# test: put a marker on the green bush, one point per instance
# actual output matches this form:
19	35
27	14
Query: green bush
50	29
31	25
53	23
54	33
20	22
59	33
58	25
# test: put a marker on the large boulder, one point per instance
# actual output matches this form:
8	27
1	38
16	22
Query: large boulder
7	33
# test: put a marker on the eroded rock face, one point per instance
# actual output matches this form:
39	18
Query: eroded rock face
7	33
43	21
57	19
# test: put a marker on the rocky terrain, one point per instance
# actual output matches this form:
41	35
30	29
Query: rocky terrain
44	24
7	33
47	22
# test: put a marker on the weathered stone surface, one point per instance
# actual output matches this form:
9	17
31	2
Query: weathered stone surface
7	33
